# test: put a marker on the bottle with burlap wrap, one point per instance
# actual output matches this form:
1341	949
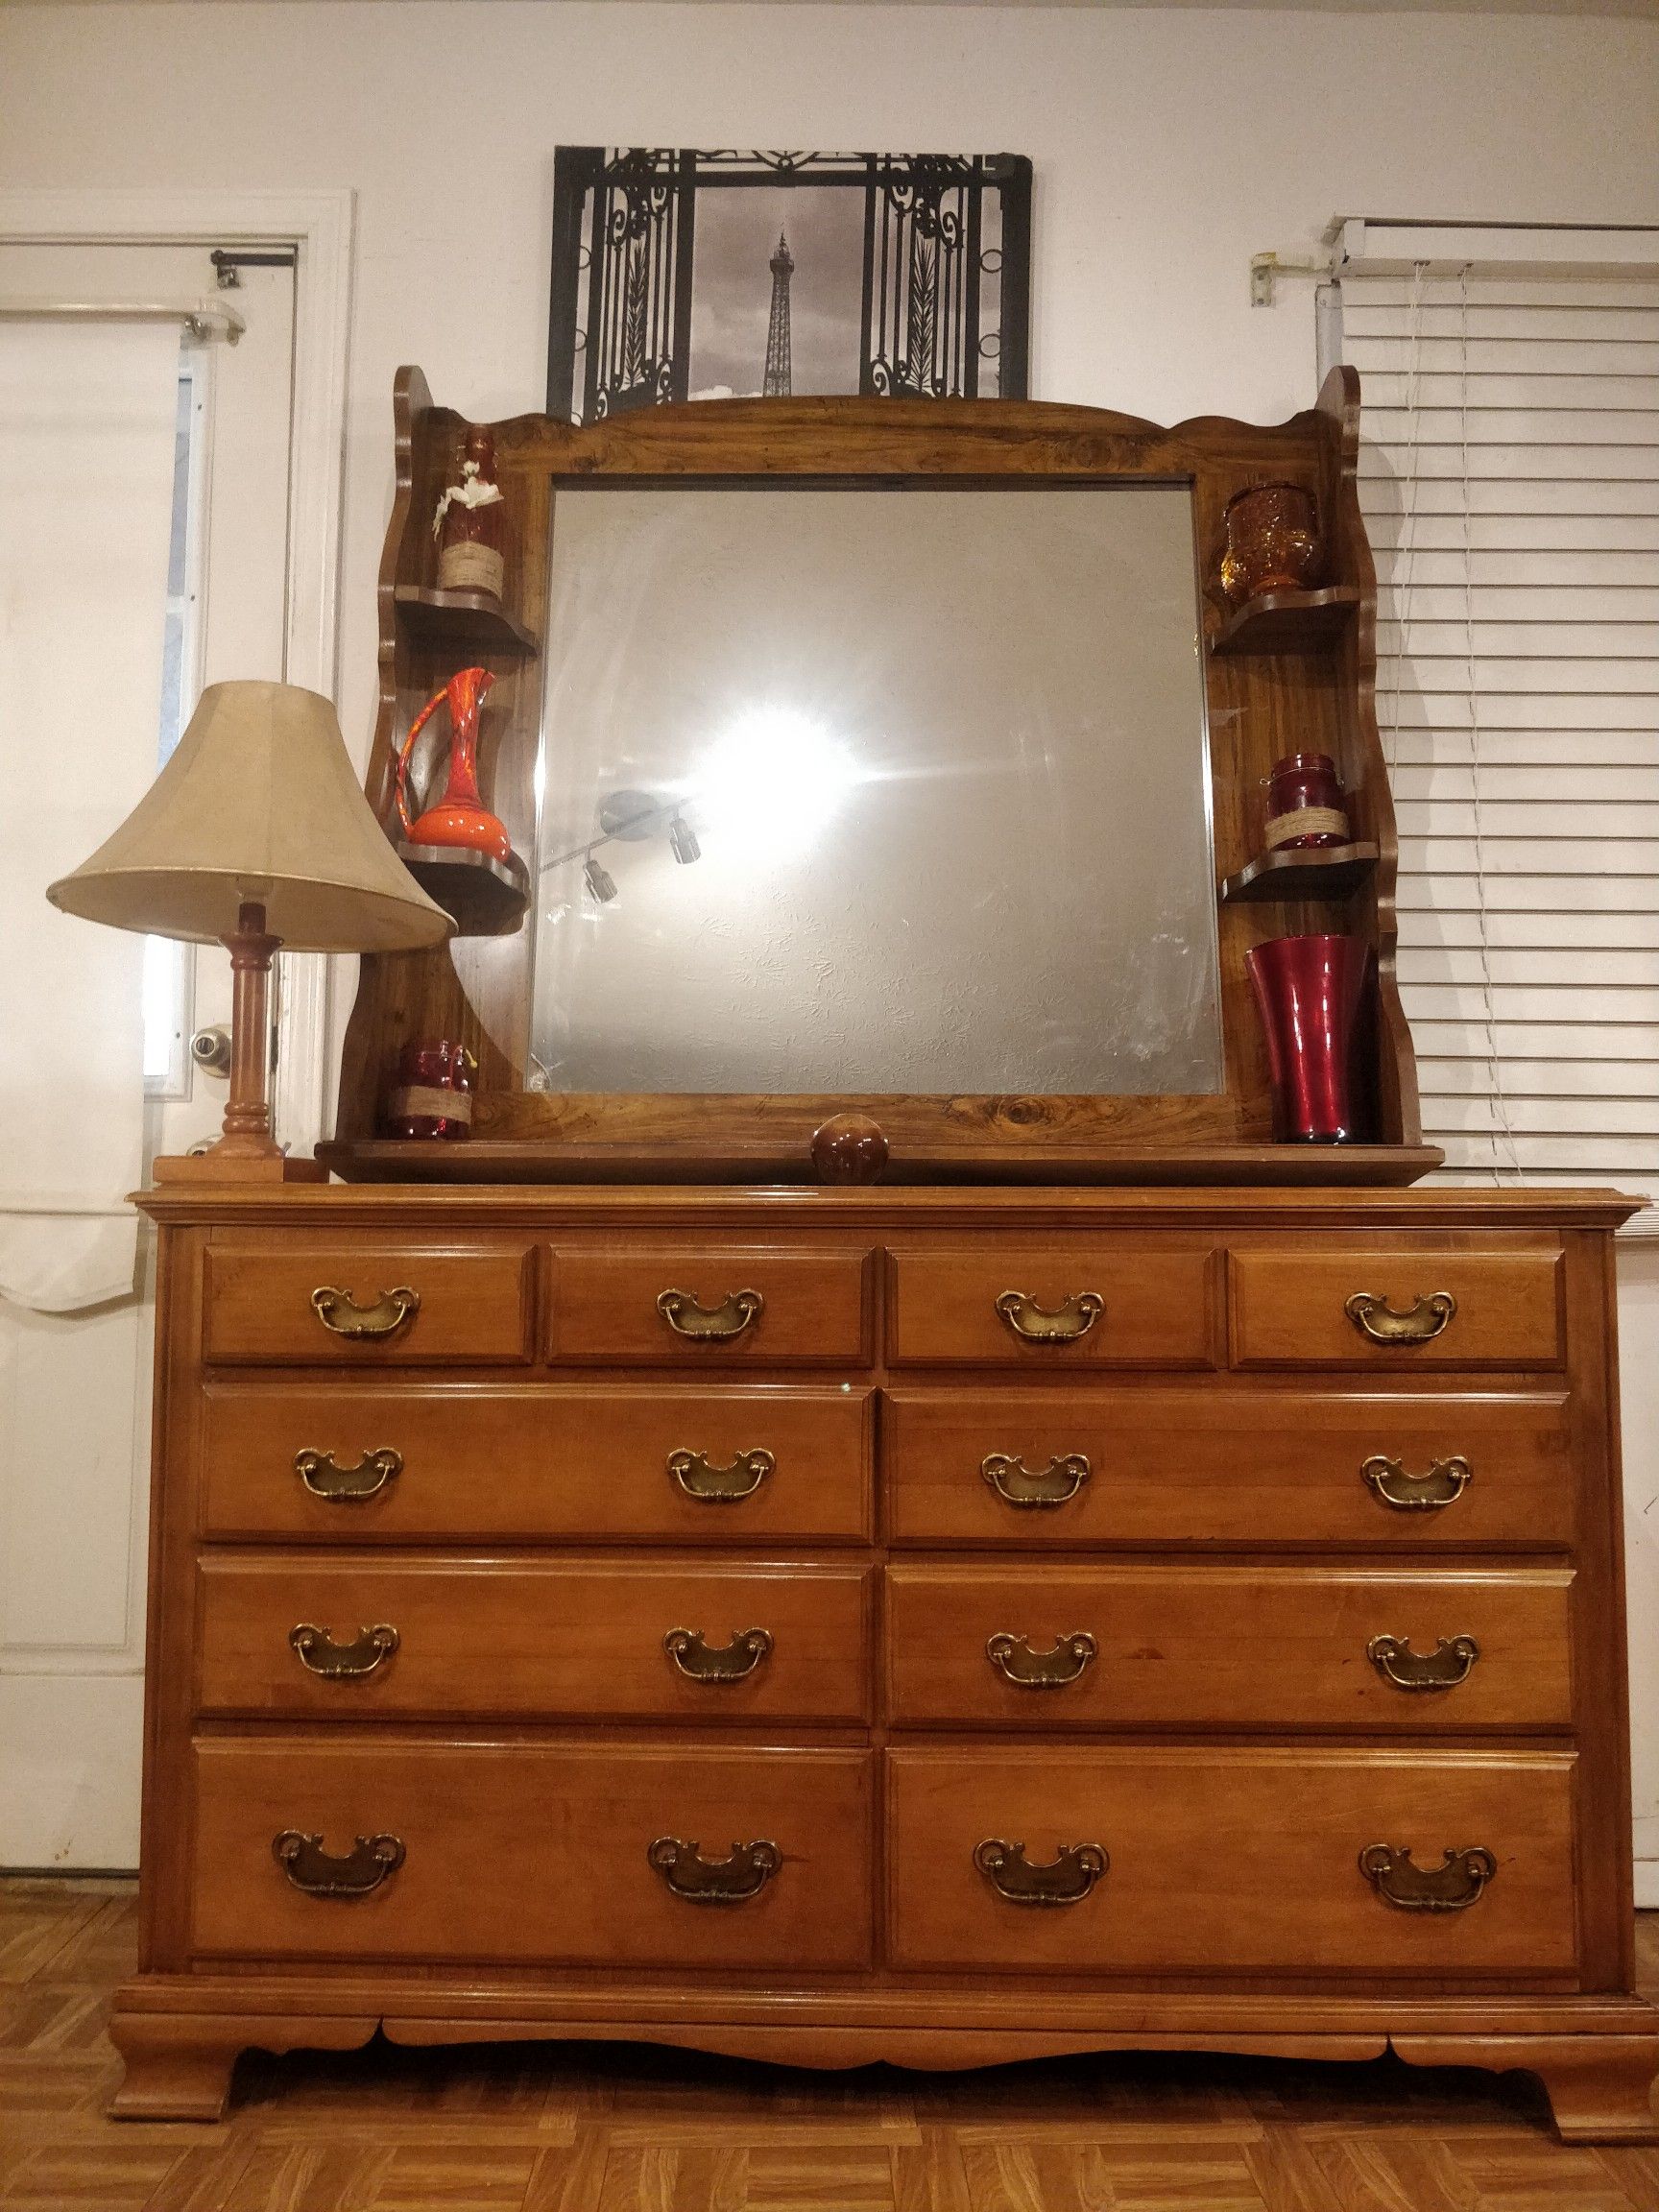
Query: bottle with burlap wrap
471	524
1305	806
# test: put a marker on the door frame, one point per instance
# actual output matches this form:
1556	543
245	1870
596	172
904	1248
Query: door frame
320	227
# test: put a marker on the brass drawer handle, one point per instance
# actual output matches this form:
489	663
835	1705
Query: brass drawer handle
713	1486
1443	1668
704	1881
1376	1319
711	1324
325	1478
1448	1888
1066	1881
371	1861
1015	1661
1035	1324
1443	1483
1018	1484
730	1662
340	1313
319	1654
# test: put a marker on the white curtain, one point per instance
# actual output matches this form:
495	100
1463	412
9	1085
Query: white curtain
87	414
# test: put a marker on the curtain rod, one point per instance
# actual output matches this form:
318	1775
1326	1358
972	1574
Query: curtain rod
201	318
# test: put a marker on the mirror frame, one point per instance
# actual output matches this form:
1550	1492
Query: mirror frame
1277	681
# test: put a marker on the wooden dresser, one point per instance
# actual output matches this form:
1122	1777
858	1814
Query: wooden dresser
940	1626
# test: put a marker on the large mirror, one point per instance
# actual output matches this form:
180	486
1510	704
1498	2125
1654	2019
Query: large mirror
864	791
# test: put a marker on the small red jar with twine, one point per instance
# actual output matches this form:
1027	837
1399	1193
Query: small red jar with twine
1305	808
433	1094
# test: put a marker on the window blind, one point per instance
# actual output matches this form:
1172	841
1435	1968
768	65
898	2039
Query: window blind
1509	478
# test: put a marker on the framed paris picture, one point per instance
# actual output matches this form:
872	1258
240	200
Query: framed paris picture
685	274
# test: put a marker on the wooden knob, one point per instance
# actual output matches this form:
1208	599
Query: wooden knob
849	1149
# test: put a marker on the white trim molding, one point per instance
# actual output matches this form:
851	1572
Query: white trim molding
320	227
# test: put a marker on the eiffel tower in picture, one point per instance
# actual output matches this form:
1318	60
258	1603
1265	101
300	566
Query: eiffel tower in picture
776	384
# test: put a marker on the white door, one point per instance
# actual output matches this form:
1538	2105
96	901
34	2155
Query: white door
75	1386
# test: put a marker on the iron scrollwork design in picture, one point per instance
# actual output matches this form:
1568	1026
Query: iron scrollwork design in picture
682	273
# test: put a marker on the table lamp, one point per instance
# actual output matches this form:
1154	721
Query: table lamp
256	835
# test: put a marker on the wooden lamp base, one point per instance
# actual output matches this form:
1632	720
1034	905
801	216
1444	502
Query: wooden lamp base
247	1152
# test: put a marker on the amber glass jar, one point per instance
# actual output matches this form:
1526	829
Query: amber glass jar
1272	541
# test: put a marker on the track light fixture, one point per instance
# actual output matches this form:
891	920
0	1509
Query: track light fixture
599	881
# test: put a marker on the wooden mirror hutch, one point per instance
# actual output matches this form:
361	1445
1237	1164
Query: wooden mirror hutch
1044	1574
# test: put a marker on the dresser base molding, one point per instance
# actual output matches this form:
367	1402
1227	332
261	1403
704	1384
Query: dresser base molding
1596	2057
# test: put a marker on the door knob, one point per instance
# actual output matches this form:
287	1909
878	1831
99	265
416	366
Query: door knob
210	1050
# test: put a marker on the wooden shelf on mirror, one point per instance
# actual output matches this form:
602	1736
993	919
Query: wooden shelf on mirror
1312	872
463	621
771	1164
483	898
1287	621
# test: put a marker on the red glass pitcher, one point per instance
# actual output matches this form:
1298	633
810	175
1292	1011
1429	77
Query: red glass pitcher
460	817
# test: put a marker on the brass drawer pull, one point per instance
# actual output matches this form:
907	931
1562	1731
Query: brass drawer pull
729	1662
1376	1319
1018	1484
341	1315
711	1324
319	1654
1443	1483
1448	1888
1035	1324
325	1478
371	1861
713	1486
1066	1881
1443	1668
714	1880
1015	1661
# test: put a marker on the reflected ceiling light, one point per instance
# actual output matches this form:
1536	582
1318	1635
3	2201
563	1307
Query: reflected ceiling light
599	881
773	780
683	841
633	814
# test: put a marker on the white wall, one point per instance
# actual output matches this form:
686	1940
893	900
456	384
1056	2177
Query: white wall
1169	146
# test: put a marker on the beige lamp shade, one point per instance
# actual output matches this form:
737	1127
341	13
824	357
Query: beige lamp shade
258	803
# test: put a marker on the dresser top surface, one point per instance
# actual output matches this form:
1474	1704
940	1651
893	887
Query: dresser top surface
888	1209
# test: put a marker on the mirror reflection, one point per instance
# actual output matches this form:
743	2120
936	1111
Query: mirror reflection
874	791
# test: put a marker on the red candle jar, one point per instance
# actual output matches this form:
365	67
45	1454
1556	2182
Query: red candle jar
1305	806
433	1094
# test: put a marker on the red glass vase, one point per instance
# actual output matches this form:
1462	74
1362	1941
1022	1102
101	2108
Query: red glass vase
460	817
1309	991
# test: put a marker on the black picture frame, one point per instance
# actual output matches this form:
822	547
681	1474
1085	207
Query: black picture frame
946	302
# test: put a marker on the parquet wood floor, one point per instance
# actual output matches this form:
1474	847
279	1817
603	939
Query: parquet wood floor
552	2129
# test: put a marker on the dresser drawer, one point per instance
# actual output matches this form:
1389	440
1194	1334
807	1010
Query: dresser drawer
710	1307
1223	1862
323	1303
1226	1466
445	1637
1400	1306
531	1854
1046	1307
365	1463
1044	1647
